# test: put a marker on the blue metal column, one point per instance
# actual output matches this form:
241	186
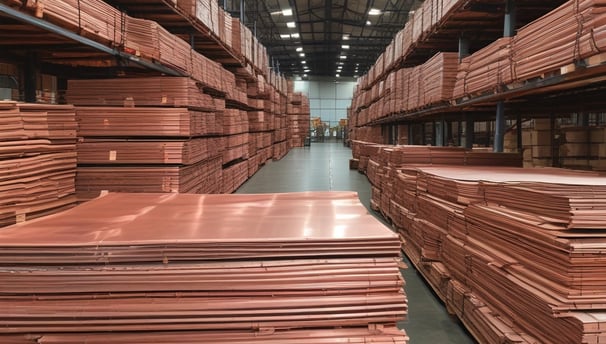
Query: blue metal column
519	132
499	134
469	131
508	31
509	25
463	47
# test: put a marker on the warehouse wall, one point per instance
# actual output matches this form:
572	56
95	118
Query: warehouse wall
328	99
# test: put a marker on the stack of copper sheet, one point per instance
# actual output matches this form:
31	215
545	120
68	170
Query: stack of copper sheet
175	267
235	121
148	151
200	177
485	70
523	247
96	19
404	155
37	160
236	147
559	38
439	75
234	175
154	91
142	122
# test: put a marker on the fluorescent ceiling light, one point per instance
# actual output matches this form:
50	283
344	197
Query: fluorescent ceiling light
307	70
299	49
337	75
291	25
294	35
340	63
303	62
345	46
302	54
355	76
288	12
368	22
305	75
374	12
284	36
343	57
345	37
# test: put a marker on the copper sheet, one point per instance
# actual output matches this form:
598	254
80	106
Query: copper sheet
523	247
142	151
202	177
153	91
51	294
37	159
379	335
130	219
143	122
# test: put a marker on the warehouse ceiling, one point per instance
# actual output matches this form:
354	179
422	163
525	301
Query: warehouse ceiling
315	37
326	33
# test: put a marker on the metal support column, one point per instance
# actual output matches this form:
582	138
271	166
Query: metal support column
509	25
469	131
460	134
242	12
463	47
519	132
448	133
29	83
499	133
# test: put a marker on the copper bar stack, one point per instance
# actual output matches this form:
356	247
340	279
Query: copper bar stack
127	268
37	159
157	136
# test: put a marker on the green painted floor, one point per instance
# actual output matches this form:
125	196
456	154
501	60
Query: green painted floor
325	166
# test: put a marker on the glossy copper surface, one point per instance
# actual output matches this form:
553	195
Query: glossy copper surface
182	268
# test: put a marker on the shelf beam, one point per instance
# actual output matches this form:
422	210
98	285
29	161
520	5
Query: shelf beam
43	24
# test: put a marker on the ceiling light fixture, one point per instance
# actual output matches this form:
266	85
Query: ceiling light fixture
291	24
288	12
299	49
343	57
346	37
337	75
294	35
302	54
345	46
284	36
303	62
368	23
374	12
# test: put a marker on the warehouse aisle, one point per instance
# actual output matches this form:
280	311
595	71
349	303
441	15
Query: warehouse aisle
325	166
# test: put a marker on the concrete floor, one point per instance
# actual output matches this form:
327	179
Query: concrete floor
325	166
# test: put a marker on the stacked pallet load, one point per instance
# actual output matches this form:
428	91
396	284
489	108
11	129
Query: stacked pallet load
278	106
37	159
554	44
381	162
489	239
485	70
146	135
512	249
261	121
298	278
407	89
298	118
